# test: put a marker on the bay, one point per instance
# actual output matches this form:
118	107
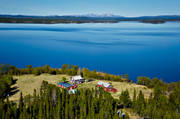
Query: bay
138	49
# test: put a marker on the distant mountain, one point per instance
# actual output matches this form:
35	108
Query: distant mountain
98	15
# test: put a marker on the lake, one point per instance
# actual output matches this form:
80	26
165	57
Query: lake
138	49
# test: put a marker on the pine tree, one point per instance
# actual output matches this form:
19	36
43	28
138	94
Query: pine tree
115	114
40	114
21	103
134	100
140	104
125	98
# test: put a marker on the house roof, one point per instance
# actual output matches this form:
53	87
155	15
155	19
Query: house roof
78	77
64	84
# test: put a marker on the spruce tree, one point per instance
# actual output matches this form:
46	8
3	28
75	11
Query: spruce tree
134	100
21	102
125	99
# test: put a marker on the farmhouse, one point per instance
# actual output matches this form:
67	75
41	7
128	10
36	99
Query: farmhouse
77	79
107	86
66	85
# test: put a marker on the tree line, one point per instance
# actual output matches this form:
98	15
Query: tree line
152	83
161	104
5	83
65	69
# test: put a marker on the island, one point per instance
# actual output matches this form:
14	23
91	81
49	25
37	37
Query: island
84	19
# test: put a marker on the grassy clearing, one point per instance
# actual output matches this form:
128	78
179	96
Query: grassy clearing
27	83
121	86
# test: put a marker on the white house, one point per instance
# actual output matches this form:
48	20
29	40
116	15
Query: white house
77	79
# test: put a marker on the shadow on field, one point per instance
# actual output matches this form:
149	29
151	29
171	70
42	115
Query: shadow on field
14	89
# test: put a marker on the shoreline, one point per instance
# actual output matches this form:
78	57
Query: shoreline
81	21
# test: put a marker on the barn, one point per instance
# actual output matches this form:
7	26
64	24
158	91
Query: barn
107	86
66	85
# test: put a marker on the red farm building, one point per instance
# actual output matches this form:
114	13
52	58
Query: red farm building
107	86
66	85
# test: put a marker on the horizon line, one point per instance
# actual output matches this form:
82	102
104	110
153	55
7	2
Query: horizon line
92	14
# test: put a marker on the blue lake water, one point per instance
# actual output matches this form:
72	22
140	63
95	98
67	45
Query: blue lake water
135	48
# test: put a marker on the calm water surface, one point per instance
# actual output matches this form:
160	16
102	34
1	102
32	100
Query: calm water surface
128	47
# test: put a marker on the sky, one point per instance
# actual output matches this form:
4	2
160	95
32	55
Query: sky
79	7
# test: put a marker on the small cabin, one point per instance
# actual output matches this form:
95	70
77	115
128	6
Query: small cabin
77	79
66	85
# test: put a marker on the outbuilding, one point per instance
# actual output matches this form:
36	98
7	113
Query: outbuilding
107	86
104	84
77	79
